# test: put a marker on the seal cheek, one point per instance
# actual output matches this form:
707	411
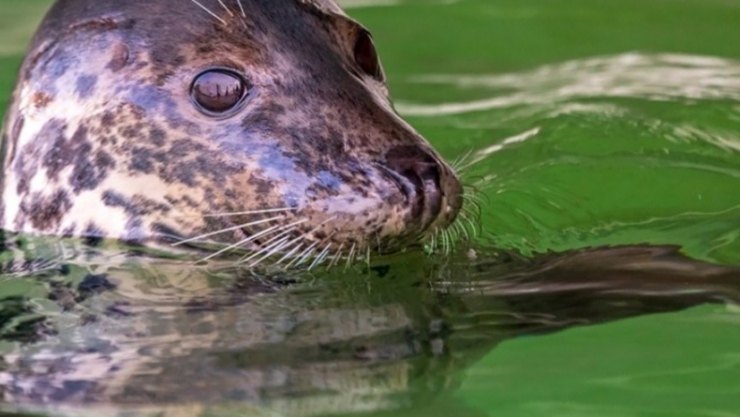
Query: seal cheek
47	213
86	86
14	137
41	100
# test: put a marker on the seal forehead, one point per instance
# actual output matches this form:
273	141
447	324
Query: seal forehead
181	32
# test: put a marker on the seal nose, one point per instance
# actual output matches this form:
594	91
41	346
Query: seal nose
419	176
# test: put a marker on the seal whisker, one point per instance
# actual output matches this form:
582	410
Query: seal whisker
209	12
463	230
244	213
319	258
459	162
271	243
470	211
276	248
447	238
303	255
309	250
367	256
452	236
445	241
468	161
351	255
286	229
322	255
225	8
443	244
307	256
228	229
472	198
289	244
472	193
289	254
241	7
466	223
281	248
337	256
434	240
472	217
242	242
458	229
465	165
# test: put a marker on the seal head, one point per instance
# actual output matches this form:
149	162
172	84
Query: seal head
252	124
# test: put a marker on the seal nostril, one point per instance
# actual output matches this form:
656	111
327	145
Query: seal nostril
421	177
429	174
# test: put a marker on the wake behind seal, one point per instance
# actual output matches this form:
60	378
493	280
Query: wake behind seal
245	124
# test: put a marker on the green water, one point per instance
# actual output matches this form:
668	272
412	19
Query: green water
585	122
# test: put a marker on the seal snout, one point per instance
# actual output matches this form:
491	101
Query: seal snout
419	177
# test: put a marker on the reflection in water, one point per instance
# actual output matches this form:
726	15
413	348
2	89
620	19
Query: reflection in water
113	331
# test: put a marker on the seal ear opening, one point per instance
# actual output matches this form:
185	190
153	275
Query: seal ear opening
366	56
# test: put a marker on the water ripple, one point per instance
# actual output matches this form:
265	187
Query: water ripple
631	75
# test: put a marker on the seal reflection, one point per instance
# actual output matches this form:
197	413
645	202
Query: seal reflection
154	335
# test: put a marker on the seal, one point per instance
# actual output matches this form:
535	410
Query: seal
258	125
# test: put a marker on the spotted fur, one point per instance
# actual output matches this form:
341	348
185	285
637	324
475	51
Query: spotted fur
102	139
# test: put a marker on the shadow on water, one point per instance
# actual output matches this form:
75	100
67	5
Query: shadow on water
100	330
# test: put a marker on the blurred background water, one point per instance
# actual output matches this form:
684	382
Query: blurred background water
585	123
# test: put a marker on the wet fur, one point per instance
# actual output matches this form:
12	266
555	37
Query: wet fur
101	138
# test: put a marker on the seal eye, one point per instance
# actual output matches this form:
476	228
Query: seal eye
218	91
366	56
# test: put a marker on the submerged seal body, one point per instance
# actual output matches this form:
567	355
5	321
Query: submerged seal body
257	124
